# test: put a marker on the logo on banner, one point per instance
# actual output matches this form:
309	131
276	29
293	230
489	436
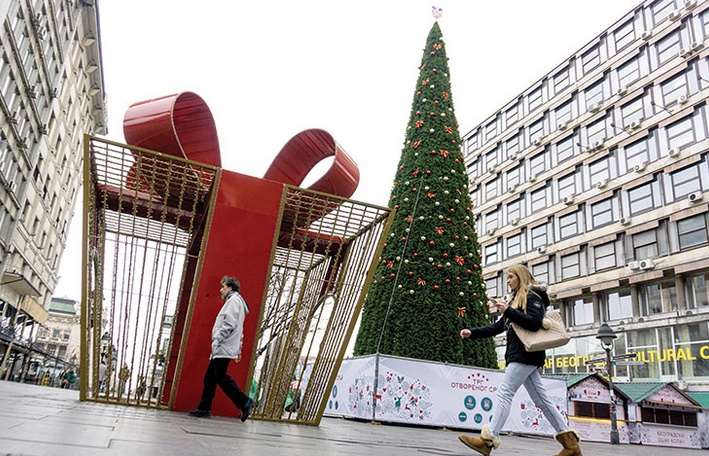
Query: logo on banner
462	416
486	404
469	402
478	418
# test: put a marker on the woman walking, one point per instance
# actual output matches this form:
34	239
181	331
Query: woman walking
526	308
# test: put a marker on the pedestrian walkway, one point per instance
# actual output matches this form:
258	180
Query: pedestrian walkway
39	420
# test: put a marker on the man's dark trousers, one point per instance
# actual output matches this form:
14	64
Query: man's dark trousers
216	375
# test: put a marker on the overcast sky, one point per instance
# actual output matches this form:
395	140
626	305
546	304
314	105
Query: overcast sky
270	69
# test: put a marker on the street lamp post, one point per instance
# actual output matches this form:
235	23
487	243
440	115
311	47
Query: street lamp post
606	335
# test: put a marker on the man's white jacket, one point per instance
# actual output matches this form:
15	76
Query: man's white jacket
228	330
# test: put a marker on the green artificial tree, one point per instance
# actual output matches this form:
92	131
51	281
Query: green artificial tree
428	283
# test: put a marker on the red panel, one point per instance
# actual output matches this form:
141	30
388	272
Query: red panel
303	152
239	244
180	125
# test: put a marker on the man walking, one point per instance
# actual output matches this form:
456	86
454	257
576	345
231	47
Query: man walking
227	338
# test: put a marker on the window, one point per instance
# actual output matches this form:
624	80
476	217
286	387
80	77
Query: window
590	60
514	177
492	287
514	245
645	245
684	182
569	225
536	130
491	254
680	133
619	305
582	311
632	112
599	170
570	265
567	186
512	115
491	130
535	99
592	410
624	35
637	153
540	271
594	94
491	189
604	256
664	416
491	158
515	209
655	297
601	213
596	133
704	20
539	163
668	47
513	145
672	89
540	236
491	220
698	291
661	9
473	142
473	169
561	80
539	199
692	231
564	149
563	114
641	199
629	72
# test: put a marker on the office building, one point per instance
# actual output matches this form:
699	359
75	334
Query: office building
597	178
51	94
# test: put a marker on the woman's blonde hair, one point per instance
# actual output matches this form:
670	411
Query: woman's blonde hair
525	280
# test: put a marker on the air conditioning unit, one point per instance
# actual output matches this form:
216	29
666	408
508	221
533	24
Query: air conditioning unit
492	170
622	91
568	199
595	107
603	183
640	167
635	124
646	264
542	250
491	231
674	153
533	178
598	144
537	142
646	35
634	265
514	221
693	197
685	52
625	221
682	99
562	125
696	46
513	188
689	4
674	15
513	156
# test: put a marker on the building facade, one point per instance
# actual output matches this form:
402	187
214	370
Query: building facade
51	94
596	178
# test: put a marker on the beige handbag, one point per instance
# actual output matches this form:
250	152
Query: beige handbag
552	334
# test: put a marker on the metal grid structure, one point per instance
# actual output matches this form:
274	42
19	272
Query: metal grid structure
321	269
144	220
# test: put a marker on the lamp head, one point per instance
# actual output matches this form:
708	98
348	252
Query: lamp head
606	335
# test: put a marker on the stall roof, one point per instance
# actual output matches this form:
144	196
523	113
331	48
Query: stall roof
701	397
571	379
641	391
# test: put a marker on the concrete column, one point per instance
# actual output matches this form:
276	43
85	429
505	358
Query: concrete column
596	309
681	295
635	301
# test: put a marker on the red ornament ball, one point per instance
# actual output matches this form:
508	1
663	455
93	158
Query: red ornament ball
396	207
401	168
469	271
456	160
436	287
428	172
475	266
411	274
445	255
456	238
432	243
448	220
452	210
418	113
435	102
433	152
403	239
448	280
416	255
414	190
458	278
392	275
439	266
384	261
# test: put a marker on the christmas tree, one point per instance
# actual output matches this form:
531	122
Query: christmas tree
428	283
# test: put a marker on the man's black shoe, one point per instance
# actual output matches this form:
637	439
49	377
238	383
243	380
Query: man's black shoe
200	413
246	411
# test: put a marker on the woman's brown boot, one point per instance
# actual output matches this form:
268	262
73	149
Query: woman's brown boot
570	441
483	444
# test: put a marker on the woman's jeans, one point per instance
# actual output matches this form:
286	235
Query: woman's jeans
516	375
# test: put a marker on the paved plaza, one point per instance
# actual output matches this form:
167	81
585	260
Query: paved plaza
38	420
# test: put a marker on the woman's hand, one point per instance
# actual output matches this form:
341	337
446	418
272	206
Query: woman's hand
464	333
501	306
